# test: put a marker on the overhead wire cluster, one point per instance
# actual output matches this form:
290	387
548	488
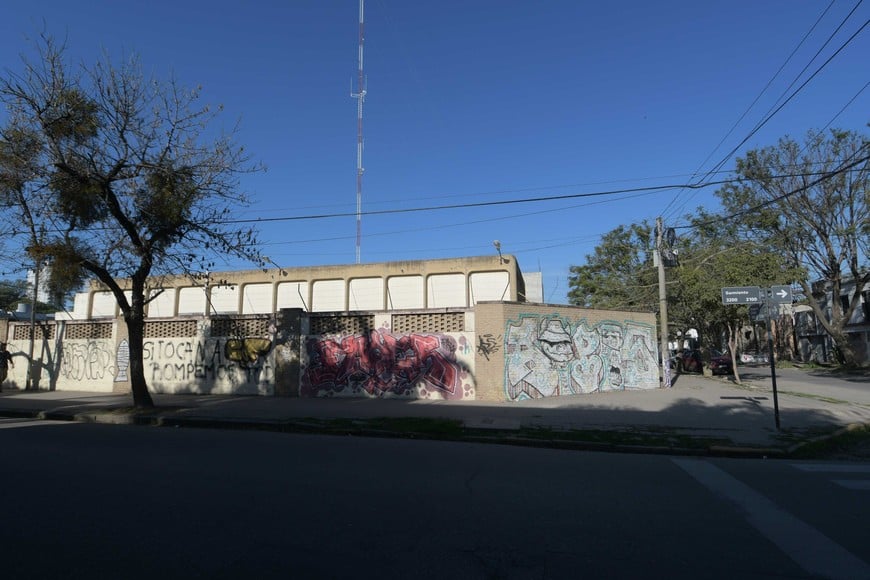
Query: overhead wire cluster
685	191
673	208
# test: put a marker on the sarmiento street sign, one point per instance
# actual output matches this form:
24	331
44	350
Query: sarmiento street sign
741	295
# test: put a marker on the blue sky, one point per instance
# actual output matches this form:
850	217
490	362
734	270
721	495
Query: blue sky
477	101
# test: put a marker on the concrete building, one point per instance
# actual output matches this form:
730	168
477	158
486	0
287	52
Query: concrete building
447	329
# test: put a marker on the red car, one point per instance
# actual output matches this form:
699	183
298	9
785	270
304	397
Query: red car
690	361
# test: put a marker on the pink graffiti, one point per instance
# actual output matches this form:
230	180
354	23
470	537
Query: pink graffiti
379	363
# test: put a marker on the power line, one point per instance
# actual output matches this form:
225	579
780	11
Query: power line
605	193
752	104
777	199
773	111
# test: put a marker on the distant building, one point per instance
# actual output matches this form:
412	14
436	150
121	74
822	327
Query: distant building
42	294
813	342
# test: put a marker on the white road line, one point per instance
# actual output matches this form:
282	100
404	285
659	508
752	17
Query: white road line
833	467
791	535
857	484
16	423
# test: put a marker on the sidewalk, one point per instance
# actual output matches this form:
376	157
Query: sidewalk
698	414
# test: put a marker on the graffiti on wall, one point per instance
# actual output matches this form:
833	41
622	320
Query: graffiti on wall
380	364
122	361
212	360
549	356
487	344
90	360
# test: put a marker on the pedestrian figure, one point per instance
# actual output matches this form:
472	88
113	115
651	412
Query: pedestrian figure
5	361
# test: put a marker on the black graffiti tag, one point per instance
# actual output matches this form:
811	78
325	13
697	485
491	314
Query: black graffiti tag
487	344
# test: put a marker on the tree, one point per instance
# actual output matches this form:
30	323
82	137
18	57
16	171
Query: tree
620	274
119	177
11	293
810	203
715	258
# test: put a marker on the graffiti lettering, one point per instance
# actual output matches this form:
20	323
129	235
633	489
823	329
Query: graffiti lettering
188	361
89	361
487	344
380	364
549	356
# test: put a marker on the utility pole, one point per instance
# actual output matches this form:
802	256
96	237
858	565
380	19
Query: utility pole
28	383
663	307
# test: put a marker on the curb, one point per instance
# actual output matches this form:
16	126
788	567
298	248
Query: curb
470	435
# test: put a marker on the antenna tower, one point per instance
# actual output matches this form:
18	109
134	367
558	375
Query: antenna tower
360	96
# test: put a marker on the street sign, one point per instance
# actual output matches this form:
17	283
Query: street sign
741	295
780	294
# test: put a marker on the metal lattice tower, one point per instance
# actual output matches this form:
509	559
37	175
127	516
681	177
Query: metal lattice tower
360	98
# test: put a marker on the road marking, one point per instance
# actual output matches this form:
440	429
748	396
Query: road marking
854	484
790	534
832	467
16	423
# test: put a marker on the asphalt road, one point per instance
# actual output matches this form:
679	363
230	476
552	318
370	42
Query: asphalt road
820	382
100	501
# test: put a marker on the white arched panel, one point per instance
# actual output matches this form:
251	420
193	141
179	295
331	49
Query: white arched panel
191	300
257	299
446	290
367	294
292	295
489	286
405	292
327	295
225	300
104	305
164	305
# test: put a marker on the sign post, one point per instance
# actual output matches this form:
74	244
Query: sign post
772	364
762	302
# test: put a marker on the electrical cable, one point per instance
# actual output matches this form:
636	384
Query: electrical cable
779	198
774	111
751	105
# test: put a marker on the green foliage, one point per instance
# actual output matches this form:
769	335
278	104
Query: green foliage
808	203
71	116
620	274
165	203
11	293
799	213
78	196
117	177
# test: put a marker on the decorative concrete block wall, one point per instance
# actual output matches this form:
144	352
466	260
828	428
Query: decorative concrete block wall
412	355
183	355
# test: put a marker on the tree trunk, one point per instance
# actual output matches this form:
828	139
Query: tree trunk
732	348
136	336
845	352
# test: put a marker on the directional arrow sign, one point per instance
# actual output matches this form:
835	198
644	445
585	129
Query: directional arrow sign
741	295
780	294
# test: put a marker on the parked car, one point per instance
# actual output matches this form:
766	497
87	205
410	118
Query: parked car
720	363
691	361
